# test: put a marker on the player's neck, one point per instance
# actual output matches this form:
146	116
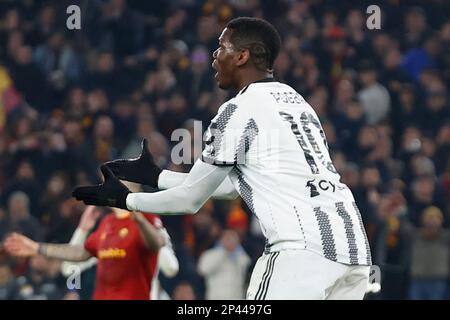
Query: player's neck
121	214
251	77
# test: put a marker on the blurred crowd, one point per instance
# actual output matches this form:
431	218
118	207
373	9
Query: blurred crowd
72	99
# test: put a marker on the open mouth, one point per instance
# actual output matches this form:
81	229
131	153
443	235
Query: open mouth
213	65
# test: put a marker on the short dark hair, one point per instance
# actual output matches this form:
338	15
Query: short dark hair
259	37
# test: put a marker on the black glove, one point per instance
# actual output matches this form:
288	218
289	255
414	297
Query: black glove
111	193
141	170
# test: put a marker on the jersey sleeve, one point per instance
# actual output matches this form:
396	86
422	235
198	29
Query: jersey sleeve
229	136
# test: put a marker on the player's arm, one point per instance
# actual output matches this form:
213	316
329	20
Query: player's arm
152	237
86	224
21	246
167	260
69	268
143	170
236	128
188	197
78	239
169	179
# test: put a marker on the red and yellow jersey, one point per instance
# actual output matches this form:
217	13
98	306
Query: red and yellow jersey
125	266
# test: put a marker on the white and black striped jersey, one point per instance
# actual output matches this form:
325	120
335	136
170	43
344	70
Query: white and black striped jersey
284	173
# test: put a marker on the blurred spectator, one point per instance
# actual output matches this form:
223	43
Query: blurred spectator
407	111
424	194
63	221
38	284
442	155
29	79
19	218
430	265
337	56
418	59
7	283
59	62
393	76
124	117
200	76
121	27
184	291
76	104
224	268
56	190
373	96
205	229
101	147
393	245
355	135
25	181
415	25
436	113
45	24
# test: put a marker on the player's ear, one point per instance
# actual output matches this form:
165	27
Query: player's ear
243	57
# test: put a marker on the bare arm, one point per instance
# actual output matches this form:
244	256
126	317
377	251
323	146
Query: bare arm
87	223
64	251
152	237
78	239
20	246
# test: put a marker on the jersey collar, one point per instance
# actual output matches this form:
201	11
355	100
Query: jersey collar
271	79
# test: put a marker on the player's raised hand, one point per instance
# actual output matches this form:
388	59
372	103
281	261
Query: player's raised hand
141	170
18	245
111	193
89	218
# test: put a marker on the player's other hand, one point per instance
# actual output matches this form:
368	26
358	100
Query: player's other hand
141	170
89	218
111	193
18	245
